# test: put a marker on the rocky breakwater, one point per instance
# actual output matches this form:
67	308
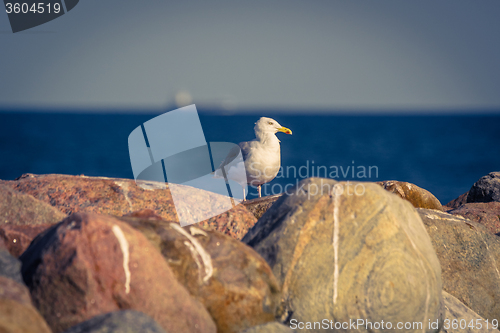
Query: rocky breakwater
93	272
341	257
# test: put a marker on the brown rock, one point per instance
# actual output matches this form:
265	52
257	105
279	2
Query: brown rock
484	213
115	196
17	238
259	206
341	255
233	282
417	196
469	255
18	209
20	318
93	264
458	201
10	289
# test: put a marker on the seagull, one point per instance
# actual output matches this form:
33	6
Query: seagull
261	156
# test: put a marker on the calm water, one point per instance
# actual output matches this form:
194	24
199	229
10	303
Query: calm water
443	154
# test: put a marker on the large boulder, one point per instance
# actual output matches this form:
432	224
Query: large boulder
125	321
460	319
484	213
469	255
90	264
114	196
486	189
349	250
417	196
19	209
228	277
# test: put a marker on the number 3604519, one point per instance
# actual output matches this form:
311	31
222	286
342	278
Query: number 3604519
36	8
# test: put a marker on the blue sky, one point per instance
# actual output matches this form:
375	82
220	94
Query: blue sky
289	55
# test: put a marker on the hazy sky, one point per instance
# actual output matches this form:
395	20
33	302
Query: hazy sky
295	55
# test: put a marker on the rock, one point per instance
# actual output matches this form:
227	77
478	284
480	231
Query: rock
417	196
114	196
17	317
228	277
10	289
461	200
468	254
17	314
460	319
125	321
18	209
18	237
3	246
90	264
10	267
484	213
486	189
271	327
259	206
360	252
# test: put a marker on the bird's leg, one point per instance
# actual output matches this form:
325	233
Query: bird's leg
244	198
260	195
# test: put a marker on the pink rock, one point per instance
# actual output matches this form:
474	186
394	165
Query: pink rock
92	264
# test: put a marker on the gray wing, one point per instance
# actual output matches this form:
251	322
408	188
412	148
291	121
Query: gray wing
233	153
245	148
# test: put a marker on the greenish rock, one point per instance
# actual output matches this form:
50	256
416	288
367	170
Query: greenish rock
349	250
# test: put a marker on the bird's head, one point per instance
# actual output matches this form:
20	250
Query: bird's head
269	125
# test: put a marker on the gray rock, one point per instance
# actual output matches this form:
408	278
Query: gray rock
359	253
486	189
469	255
126	321
460	319
271	327
10	266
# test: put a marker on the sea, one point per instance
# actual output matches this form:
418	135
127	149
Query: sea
445	154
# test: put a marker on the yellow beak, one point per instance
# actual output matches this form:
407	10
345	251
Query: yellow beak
285	130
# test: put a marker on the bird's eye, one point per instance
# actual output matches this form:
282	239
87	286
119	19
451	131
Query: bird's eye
270	123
